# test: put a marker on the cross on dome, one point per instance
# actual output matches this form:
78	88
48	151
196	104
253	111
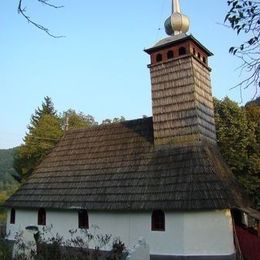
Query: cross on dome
177	23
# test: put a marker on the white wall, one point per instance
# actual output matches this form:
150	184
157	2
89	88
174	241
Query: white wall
186	233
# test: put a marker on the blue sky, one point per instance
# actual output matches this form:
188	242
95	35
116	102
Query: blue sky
99	68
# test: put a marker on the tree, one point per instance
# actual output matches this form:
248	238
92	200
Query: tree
43	133
37	144
22	10
244	17
47	108
114	120
45	130
253	117
73	120
232	133
238	139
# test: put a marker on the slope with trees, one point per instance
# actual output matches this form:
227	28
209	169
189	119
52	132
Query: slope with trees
6	169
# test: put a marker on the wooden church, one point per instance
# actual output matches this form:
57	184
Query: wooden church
161	178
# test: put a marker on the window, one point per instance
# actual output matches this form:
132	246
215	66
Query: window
158	220
205	60
42	217
182	51
159	57
194	51
170	55
83	219
12	216
199	55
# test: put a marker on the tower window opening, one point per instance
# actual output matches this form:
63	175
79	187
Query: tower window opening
199	56
194	51
170	55
182	51
158	57
205	60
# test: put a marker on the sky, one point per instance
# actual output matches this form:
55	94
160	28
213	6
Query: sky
99	67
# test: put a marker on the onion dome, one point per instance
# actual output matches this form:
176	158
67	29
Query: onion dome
177	23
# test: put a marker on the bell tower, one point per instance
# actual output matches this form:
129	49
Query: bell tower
182	100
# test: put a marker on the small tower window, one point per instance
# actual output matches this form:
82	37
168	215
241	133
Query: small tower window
205	60
83	219
170	55
42	217
158	220
194	51
199	55
12	216
182	51
158	57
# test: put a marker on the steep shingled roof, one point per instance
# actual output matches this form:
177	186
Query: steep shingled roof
116	167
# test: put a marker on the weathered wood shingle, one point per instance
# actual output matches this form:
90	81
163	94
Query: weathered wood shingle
117	167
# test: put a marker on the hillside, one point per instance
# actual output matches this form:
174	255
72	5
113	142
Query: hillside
6	169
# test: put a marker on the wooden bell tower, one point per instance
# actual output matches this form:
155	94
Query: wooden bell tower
182	100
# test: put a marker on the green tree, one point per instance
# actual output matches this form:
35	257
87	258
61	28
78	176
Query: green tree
114	120
47	108
237	139
244	17
45	130
72	120
43	133
37	144
253	117
232	133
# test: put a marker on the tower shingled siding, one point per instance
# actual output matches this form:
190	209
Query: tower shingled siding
182	102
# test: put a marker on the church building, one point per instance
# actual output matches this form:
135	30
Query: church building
161	178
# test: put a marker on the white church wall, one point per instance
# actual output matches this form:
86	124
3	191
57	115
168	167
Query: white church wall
186	233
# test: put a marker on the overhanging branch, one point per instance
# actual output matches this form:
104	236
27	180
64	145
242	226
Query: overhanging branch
22	10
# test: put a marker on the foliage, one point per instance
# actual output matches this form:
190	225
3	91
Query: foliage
5	249
38	142
81	245
114	120
244	16
232	133
238	137
7	172
8	184
44	131
4	195
73	120
47	108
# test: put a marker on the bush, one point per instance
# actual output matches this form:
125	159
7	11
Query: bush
5	249
76	248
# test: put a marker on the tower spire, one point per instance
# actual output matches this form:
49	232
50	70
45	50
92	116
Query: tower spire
177	23
176	6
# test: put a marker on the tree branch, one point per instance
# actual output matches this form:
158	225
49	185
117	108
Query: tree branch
244	16
22	10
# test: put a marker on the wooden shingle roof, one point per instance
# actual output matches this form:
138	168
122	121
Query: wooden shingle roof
117	167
